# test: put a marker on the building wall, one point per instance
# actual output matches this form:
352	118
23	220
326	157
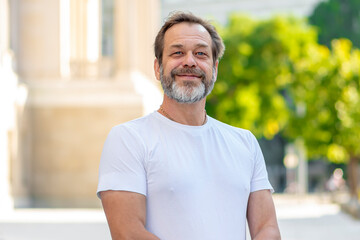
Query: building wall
8	101
61	98
219	10
73	95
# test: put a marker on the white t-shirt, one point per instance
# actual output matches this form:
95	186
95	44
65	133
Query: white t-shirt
197	179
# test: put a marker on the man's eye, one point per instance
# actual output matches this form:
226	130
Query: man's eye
201	53
177	53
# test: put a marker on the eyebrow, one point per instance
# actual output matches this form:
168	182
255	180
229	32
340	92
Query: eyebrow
202	45
177	46
199	45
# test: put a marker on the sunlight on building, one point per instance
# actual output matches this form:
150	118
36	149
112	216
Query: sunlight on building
93	30
64	38
8	93
80	68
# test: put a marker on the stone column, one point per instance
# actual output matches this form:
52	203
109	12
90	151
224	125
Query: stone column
123	34
38	39
8	88
4	25
66	120
136	24
148	14
78	33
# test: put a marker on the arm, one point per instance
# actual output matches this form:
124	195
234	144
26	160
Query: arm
262	217
126	215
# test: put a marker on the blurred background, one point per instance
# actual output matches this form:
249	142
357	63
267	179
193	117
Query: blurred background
72	69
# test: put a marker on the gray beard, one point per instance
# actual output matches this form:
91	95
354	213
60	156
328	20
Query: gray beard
190	92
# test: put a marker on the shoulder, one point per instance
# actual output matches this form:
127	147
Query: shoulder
243	135
131	131
231	129
131	137
141	131
136	125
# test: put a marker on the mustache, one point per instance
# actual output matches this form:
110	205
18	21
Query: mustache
192	71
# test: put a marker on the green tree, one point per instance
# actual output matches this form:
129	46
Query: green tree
256	71
275	78
337	19
327	106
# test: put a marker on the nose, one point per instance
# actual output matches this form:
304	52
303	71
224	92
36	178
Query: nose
189	60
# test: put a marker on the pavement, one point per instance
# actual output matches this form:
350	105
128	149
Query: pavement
300	218
54	224
314	217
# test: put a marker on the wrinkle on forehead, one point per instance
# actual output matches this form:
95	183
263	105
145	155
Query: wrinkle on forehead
185	31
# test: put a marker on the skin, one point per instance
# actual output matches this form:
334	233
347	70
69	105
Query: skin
185	46
261	216
126	215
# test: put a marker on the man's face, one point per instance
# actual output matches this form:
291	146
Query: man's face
187	73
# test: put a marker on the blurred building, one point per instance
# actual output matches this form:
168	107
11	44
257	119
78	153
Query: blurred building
69	71
219	10
72	69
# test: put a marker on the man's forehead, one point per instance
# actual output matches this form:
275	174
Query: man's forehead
187	30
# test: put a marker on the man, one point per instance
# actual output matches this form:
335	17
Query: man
178	174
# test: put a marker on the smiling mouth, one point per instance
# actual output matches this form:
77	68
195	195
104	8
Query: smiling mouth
188	76
188	73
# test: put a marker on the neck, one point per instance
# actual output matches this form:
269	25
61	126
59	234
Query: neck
192	114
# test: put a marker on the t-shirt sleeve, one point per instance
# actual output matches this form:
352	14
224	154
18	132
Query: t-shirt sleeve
259	180
122	162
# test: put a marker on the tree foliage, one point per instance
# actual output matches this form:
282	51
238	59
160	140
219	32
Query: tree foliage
337	19
275	78
256	71
327	102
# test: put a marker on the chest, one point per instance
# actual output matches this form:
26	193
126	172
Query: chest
207	164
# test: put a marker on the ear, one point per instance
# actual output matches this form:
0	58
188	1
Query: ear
157	69
216	68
